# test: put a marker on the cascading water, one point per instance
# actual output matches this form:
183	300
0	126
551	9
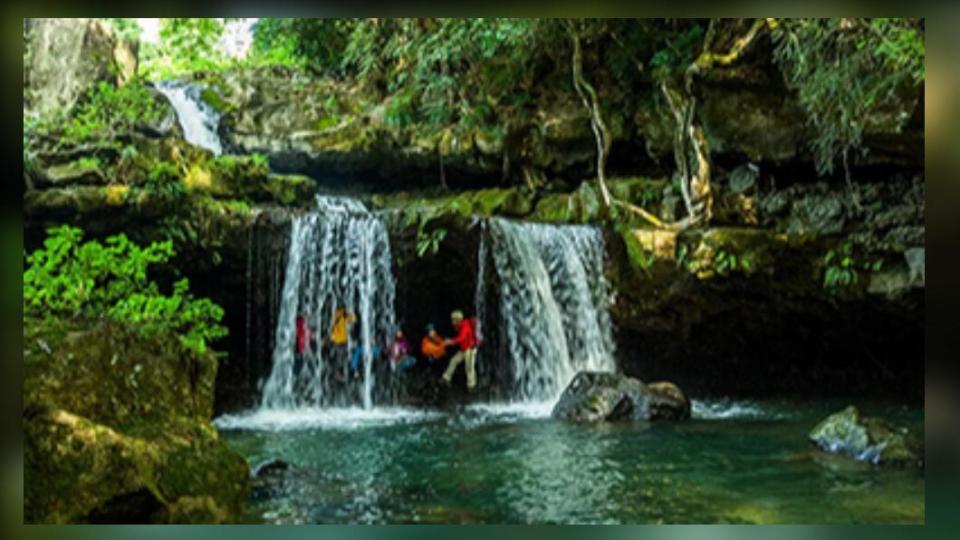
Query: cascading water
339	256
197	118
554	304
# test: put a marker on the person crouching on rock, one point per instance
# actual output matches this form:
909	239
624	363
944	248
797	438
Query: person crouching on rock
399	353
432	345
358	353
467	341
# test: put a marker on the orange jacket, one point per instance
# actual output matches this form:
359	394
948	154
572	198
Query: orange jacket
433	348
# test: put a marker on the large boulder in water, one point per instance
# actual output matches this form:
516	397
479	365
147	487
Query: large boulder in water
593	397
867	439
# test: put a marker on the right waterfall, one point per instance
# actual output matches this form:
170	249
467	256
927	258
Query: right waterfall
554	304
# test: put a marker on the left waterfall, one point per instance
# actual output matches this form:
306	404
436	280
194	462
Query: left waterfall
339	257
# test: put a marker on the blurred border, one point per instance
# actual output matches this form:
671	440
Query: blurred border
943	239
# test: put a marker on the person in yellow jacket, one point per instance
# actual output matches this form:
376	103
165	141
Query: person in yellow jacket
339	334
339	330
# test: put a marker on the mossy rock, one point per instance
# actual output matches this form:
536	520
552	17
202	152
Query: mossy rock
247	178
59	201
117	429
79	172
511	202
86	201
212	98
728	250
873	440
287	189
555	208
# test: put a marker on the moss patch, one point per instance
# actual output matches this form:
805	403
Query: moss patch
117	429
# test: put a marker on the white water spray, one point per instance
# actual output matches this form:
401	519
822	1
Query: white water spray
198	119
554	304
339	257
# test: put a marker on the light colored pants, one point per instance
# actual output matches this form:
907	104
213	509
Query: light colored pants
470	355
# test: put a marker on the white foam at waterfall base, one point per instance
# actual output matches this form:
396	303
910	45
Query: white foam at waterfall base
197	118
726	409
339	256
322	418
554	304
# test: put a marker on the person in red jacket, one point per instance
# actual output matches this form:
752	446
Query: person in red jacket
466	340
303	345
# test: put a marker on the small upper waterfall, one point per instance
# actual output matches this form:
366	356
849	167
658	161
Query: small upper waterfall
339	257
554	303
197	118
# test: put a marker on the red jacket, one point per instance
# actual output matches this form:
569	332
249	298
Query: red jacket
466	335
304	335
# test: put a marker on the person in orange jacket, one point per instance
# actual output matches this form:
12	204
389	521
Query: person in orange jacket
432	345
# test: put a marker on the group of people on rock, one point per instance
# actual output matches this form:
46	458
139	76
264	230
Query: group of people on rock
433	347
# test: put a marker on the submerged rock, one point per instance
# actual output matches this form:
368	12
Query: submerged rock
268	467
594	397
867	439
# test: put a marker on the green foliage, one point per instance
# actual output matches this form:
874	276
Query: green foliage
841	267
845	69
260	163
125	29
437	71
300	42
678	52
163	181
108	109
726	262
186	45
88	162
67	278
428	241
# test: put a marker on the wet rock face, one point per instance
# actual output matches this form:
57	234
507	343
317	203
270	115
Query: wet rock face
596	397
66	56
866	439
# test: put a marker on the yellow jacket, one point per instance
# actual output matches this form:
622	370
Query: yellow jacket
338	332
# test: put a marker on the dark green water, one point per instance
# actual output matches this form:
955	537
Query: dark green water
735	462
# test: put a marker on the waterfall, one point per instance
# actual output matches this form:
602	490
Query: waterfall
339	256
197	118
554	303
480	294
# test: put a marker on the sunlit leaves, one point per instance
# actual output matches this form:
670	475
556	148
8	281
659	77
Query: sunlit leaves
67	278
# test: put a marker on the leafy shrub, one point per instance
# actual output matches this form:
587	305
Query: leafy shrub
163	181
726	262
429	241
186	45
67	278
108	109
844	70
841	267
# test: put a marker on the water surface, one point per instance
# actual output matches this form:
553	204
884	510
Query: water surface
735	462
